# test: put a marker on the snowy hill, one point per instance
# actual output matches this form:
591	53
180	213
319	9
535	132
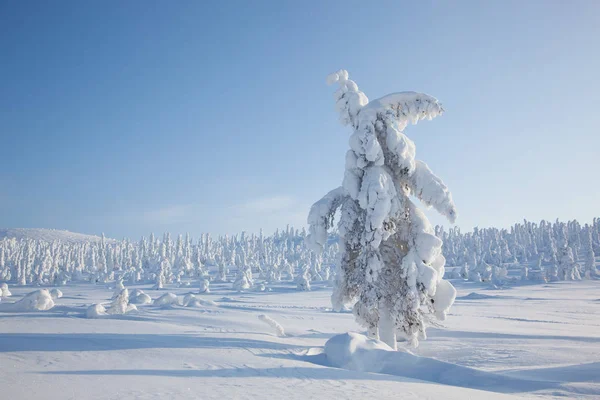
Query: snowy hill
48	235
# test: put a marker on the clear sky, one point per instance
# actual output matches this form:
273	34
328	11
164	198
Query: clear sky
193	116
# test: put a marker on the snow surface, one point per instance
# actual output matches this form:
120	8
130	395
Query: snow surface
531	341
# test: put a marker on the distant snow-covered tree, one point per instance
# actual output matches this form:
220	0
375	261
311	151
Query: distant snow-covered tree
568	269
590	257
303	278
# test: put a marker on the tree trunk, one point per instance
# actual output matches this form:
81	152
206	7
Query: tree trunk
387	329
373	333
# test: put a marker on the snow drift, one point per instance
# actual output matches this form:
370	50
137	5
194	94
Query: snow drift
357	352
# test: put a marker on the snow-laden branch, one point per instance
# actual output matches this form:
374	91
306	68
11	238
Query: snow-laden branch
403	107
320	218
430	189
349	100
378	197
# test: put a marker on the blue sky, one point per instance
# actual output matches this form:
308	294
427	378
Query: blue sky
192	116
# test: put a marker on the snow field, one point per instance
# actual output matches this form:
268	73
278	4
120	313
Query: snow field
528	341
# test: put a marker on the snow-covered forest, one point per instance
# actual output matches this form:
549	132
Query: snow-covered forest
536	252
241	259
544	251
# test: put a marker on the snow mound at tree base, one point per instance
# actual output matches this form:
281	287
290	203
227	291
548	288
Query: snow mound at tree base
357	352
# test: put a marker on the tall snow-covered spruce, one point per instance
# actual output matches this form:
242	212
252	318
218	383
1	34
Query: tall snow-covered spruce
391	264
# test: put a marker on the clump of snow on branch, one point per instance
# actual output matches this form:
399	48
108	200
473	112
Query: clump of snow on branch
320	218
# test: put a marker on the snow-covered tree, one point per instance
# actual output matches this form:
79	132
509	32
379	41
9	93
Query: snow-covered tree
590	257
303	278
391	263
243	279
568	269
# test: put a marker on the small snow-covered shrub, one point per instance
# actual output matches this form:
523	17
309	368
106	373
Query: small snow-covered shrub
139	297
118	288
272	323
39	300
243	279
120	303
119	306
303	279
167	300
204	286
190	300
206	303
56	293
95	311
4	292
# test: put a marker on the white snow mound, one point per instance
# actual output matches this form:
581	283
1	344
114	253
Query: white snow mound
39	300
96	311
139	297
190	300
167	300
357	352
